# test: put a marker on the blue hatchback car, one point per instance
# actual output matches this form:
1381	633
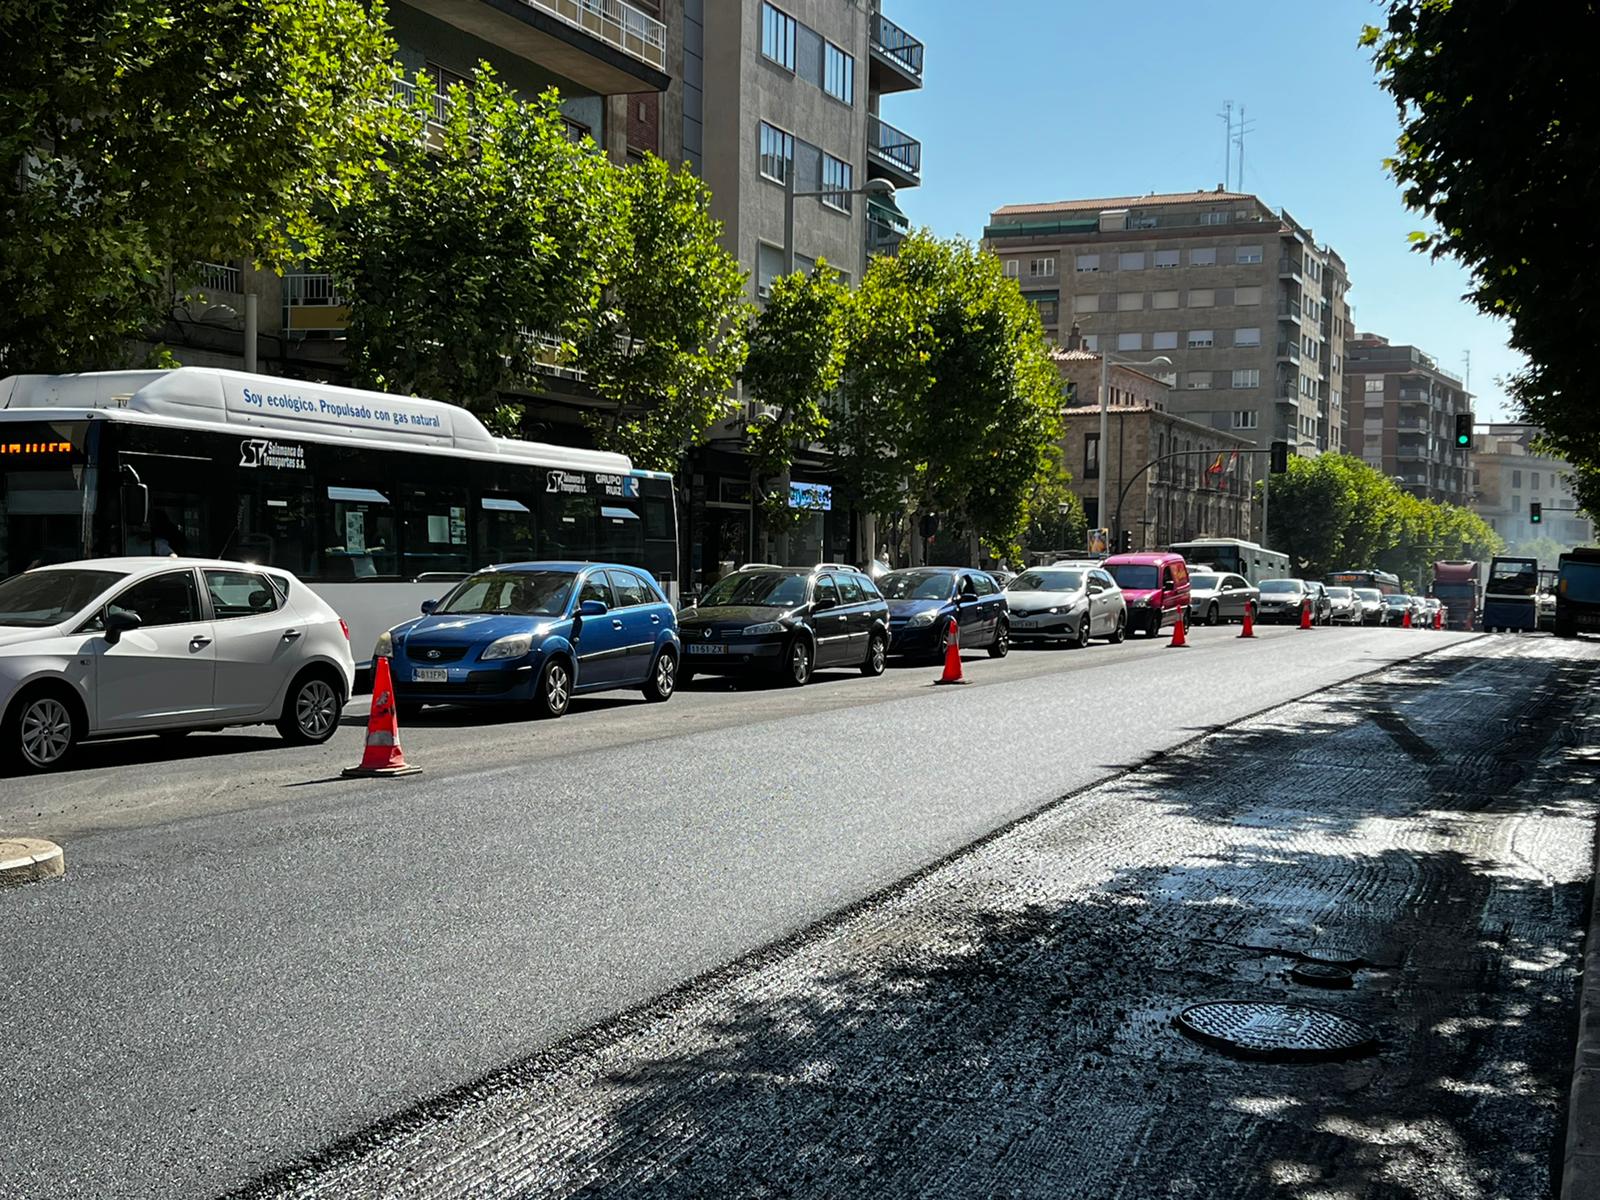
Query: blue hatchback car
537	633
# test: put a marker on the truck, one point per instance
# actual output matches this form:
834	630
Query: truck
1509	600
1455	585
1578	591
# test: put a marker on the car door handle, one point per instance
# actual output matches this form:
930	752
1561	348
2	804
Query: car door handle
290	635
655	620
198	642
616	624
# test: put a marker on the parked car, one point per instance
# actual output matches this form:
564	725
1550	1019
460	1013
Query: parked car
1066	605
1371	604
1284	600
1396	606
1431	606
1321	602
1216	596
536	633
118	646
923	600
787	622
1155	587
1346	608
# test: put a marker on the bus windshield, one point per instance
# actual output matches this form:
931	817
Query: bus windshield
1580	582
1513	577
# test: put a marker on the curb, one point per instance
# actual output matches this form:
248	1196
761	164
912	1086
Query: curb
28	860
1580	1162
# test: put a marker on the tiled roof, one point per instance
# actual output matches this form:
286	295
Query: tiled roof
1109	202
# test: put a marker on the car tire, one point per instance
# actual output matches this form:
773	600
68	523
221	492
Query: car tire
42	730
1213	615
797	663
1121	630
311	708
663	679
1001	646
877	655
1081	638
553	696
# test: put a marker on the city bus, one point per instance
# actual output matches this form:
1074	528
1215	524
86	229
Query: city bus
1384	581
379	502
1509	601
1578	592
1232	556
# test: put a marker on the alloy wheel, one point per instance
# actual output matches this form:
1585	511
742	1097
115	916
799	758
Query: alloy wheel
316	709
557	688
666	675
46	732
799	662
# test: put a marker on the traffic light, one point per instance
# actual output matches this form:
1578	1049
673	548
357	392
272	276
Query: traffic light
1280	457
1463	431
1125	542
1535	513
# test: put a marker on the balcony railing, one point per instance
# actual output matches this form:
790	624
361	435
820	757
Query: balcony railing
1289	350
895	43
406	89
1289	265
310	287
218	277
616	23
894	147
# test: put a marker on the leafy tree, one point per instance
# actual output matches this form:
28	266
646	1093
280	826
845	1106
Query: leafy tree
1544	548
1056	517
797	346
1500	146
668	341
483	232
138	137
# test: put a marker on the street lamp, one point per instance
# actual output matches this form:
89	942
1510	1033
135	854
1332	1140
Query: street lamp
1105	414
881	188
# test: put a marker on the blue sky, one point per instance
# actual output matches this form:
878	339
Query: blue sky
1035	100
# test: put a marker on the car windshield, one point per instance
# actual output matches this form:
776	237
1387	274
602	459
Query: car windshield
916	585
1340	593
1134	575
1513	578
1046	581
513	593
1281	587
1369	593
1580	582
42	598
1204	583
762	589
1397	601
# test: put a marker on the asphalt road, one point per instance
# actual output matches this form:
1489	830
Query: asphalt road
249	958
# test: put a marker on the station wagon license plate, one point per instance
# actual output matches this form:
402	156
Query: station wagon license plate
430	675
713	648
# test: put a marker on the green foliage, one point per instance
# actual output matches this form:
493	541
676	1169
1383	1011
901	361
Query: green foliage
668	341
951	403
1335	512
1056	518
138	137
1500	147
797	346
480	232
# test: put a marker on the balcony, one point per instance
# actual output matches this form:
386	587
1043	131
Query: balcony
605	47
892	155
1289	267
312	306
1289	352
219	277
886	226
1289	310
896	57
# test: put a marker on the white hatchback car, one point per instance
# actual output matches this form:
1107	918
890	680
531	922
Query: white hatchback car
119	646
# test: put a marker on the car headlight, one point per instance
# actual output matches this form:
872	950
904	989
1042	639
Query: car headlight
385	646
923	618
763	629
512	646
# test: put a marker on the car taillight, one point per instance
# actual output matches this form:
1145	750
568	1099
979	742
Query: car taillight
345	629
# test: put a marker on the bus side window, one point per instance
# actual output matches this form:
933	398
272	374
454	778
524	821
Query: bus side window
506	532
358	535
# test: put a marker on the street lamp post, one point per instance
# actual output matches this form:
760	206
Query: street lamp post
872	187
1105	416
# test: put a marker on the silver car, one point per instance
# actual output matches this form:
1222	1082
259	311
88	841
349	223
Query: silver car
1066	604
113	647
1284	600
1215	597
1346	606
1371	604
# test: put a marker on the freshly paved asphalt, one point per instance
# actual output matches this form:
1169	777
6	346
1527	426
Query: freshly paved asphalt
239	969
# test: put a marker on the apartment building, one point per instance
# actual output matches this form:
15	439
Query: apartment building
1403	407
1509	476
1248	308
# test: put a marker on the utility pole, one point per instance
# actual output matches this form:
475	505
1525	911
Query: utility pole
1240	130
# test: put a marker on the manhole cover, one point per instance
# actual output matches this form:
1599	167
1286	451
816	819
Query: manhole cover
1294	1032
1319	974
1339	956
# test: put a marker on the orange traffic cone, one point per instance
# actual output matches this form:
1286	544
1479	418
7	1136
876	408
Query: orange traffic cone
1405	619
1305	616
952	656
1438	618
382	755
1249	629
1178	640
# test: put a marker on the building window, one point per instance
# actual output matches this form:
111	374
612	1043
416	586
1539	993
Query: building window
1091	456
1133	260
777	153
1373	385
1244	419
1247	337
1213	218
1048	306
1533	481
1086	303
1200	339
1516	503
1247	254
1197	381
1013	266
1516	480
1203	257
1202	297
837	183
777	36
1165	258
1130	301
1091	342
1247	295
838	74
1130	341
1164	300
1246	377
1165	340
1088	262
1042	268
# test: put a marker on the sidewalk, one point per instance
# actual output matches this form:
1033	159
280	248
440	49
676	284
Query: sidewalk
1002	1025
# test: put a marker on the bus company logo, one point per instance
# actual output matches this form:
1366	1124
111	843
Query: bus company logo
566	483
278	456
623	486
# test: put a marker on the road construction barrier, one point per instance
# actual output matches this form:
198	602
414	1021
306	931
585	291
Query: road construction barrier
382	756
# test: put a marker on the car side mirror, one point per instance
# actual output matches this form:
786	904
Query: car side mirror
593	608
822	602
428	606
969	597
118	622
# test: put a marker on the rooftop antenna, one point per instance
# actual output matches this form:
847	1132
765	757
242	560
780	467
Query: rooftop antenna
1239	131
1226	117
1466	374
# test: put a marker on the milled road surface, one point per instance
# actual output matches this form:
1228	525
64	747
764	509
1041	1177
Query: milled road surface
220	994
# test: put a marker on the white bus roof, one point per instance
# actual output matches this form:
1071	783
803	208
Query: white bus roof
211	398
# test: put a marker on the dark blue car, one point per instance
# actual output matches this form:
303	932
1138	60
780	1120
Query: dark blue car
537	634
923	600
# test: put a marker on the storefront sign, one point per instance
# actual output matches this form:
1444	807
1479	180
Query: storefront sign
815	496
277	456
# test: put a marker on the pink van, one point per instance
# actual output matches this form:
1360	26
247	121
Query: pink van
1155	585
